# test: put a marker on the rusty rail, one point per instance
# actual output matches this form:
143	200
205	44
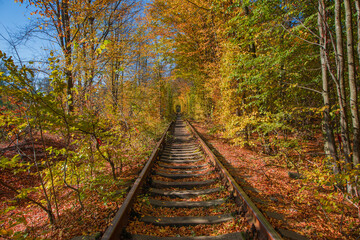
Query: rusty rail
121	218
263	228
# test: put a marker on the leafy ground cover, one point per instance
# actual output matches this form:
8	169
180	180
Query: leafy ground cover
237	225
305	207
148	209
21	219
300	205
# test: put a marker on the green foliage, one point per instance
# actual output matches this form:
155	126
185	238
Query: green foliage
328	187
89	138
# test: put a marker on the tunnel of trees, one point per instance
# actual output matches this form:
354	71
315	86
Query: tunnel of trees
267	74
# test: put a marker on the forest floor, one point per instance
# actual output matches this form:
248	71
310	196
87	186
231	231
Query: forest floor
264	178
292	204
19	219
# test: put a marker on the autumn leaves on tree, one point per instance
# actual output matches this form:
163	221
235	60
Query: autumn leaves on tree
266	71
268	74
97	79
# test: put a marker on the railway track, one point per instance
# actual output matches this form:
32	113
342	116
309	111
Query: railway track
184	192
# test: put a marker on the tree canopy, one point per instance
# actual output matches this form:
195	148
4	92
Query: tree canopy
268	74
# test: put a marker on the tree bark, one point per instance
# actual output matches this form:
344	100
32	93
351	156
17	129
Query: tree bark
357	5
330	148
352	82
340	83
67	49
47	210
78	193
252	47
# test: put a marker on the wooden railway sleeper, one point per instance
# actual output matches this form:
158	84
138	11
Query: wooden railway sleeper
180	140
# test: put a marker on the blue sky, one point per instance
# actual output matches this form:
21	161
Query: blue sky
11	13
13	17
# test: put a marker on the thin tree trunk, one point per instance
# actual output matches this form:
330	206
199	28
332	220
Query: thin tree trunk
352	82
47	210
67	52
108	159
42	183
252	47
357	5
330	148
159	76
114	86
340	84
92	161
68	137
50	170
71	187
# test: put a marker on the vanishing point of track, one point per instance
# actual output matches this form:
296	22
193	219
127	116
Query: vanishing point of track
184	192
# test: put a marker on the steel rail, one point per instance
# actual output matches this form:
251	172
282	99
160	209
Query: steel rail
114	231
264	229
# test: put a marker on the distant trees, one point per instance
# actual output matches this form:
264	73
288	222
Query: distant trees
271	69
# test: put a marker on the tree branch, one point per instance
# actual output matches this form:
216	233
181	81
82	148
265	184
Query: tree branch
203	8
287	30
306	88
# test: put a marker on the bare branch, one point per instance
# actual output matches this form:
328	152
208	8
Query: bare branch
306	88
200	7
287	30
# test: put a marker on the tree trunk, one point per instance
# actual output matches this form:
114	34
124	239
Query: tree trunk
108	159
113	169
114	86
357	5
42	181
48	164
252	47
330	148
340	84
352	82
67	52
39	204
78	193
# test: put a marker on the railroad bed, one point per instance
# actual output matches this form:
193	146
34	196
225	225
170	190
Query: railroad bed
184	192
